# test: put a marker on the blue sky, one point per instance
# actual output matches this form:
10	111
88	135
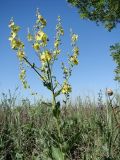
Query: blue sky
95	70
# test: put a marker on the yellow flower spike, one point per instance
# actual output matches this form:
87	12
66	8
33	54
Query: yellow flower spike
74	37
46	56
74	60
66	88
36	46
21	54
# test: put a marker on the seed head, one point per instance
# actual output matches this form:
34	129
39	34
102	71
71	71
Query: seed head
109	92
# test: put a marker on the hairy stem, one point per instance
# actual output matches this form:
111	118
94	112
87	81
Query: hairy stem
33	67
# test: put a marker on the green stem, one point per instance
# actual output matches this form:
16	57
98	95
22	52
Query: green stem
53	107
33	67
57	124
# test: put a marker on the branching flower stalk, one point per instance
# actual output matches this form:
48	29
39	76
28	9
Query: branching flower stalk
39	40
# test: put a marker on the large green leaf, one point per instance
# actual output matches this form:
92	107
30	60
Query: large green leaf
57	154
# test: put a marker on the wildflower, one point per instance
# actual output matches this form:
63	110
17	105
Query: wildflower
42	20
109	92
76	50
21	54
46	56
11	23
22	74
66	88
74	60
25	84
14	27
41	36
61	31
74	37
65	71
13	35
16	44
56	52
36	46
56	44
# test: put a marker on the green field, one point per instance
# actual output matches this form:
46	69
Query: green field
90	130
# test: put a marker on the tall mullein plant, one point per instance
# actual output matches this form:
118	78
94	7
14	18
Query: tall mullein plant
39	41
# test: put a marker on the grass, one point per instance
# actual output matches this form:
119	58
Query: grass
28	131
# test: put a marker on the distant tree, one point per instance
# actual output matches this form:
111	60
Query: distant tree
106	12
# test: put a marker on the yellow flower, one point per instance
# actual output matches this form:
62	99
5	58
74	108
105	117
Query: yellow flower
41	36
11	23
22	74
36	46
65	70
42	20
14	27
11	38
74	60
46	56
74	37
56	44
66	88
21	54
25	84
76	50
16	44
13	35
62	31
56	52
